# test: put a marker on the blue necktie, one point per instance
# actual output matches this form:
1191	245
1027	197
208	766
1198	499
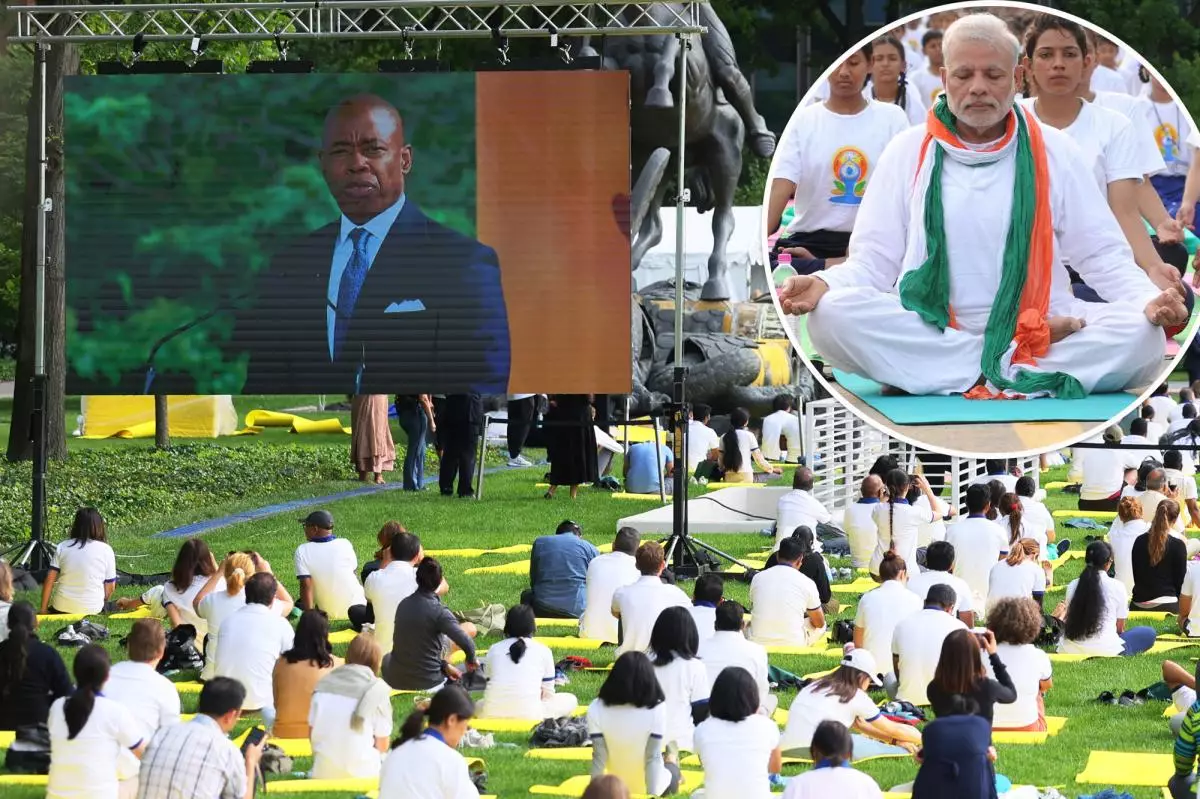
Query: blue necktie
350	286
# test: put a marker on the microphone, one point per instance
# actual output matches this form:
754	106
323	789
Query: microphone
151	373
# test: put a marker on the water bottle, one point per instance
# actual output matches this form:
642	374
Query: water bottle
784	270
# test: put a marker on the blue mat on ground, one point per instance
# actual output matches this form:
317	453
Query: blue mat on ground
955	409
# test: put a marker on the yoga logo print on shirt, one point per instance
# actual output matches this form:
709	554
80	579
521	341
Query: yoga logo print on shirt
1166	136
849	176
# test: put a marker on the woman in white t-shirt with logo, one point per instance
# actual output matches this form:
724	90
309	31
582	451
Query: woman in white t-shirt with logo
194	564
1017	622
897	521
740	452
842	697
1095	610
684	679
520	674
1018	575
831	775
83	572
214	605
627	723
825	160
737	745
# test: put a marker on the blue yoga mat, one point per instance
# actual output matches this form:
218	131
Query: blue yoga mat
956	410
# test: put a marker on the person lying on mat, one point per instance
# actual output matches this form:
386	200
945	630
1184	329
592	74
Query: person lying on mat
520	674
426	634
605	574
558	568
832	749
1095	611
350	717
424	760
842	697
992	309
786	603
1016	623
737	745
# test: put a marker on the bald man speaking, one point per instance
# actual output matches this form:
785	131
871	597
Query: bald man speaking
384	299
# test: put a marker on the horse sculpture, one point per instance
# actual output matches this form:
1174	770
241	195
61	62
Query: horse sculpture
715	131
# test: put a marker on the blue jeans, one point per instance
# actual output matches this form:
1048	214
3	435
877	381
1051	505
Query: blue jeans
1137	639
415	425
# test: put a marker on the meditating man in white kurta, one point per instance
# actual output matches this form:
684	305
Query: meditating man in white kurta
954	280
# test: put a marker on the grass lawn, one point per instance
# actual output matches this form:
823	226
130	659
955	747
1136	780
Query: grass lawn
514	512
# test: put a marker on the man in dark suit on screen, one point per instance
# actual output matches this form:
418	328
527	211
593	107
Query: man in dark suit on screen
385	299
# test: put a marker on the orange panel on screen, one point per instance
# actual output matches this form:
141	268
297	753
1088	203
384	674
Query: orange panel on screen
552	153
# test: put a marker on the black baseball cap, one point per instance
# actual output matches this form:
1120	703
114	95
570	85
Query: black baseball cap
319	518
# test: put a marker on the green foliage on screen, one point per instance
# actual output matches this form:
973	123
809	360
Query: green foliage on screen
180	188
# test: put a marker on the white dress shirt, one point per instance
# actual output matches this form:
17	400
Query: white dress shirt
639	606
251	640
386	588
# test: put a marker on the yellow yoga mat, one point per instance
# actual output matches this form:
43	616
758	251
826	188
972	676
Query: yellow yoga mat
1156	615
188	687
1127	768
515	725
353	785
816	675
569	643
24	779
1169	646
818	650
458	656
296	424
293	747
574	623
139	613
342	636
1055	485
65	618
647	497
718	486
780	716
6	738
575	786
1098	515
1054	723
859	586
1058	657
573	753
515	567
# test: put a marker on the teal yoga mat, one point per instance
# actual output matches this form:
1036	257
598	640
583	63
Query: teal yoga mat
956	410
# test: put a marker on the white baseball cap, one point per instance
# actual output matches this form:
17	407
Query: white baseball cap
864	661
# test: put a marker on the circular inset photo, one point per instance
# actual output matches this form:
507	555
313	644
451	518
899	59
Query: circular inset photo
979	227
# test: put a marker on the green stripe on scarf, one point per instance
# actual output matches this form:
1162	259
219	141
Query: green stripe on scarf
926	289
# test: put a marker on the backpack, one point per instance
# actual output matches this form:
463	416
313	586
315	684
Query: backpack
559	733
842	632
181	653
1051	634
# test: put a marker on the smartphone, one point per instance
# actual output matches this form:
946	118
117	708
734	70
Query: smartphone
254	737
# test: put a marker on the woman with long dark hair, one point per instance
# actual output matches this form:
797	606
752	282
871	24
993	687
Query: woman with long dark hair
84	568
889	79
32	676
674	642
842	696
738	746
520	674
740	452
88	732
627	723
424	760
897	521
831	774
194	564
297	673
571	442
960	672
1160	562
1096	608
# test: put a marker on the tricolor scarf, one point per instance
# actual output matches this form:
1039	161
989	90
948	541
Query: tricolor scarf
1022	301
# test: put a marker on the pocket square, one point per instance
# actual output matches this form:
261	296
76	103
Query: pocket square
406	306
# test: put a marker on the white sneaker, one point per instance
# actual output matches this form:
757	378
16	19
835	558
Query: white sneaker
515	463
524	461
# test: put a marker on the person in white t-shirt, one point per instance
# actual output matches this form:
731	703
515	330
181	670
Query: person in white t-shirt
136	685
425	761
83	570
707	596
826	159
605	574
729	646
702	440
1036	518
1189	609
786	604
350	717
1103	472
740	452
1017	622
897	521
859	522
928	81
1183	486
1162	403
387	587
638	604
326	567
798	507
1171	131
1126	529
251	641
1095	611
889	82
1186	415
737	745
88	734
882	608
917	644
1019	575
673	647
1186	397
978	543
520	673
781	430
842	696
832	748
194	564
1154	428
939	570
216	606
627	724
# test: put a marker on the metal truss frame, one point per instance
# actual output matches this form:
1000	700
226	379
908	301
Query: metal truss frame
351	19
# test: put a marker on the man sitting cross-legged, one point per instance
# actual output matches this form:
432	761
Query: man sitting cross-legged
957	254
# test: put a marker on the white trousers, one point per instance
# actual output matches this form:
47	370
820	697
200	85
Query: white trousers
869	333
